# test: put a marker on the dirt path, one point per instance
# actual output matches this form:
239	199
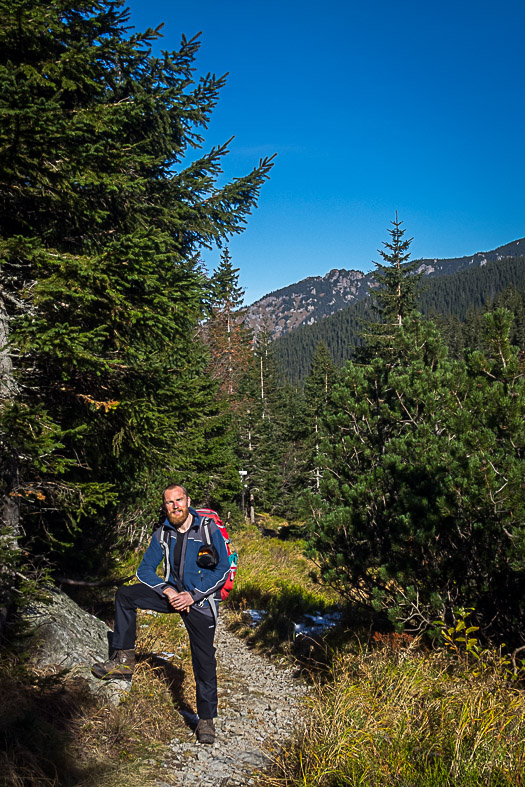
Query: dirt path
259	703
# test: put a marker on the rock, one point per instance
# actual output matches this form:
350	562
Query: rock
62	636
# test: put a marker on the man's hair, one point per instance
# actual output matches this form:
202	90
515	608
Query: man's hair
175	486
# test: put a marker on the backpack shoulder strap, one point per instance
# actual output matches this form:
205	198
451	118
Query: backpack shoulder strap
205	525
164	539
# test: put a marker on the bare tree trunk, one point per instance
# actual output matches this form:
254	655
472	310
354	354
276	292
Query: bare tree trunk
9	507
262	386
317	470
9	513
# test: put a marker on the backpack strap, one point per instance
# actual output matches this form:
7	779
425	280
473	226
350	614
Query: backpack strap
206	530
205	527
165	542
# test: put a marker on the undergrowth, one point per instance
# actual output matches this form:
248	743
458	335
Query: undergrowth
405	718
54	733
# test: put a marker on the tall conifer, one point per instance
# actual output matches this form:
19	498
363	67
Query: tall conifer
228	339
100	225
394	295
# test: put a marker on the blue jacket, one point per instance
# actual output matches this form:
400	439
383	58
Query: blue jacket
201	583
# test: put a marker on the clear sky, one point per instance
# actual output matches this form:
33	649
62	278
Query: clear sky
372	107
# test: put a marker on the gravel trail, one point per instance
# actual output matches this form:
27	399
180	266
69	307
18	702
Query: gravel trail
259	704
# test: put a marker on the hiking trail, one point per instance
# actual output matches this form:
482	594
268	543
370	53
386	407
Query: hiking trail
259	706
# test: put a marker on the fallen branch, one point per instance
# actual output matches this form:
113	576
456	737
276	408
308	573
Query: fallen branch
87	584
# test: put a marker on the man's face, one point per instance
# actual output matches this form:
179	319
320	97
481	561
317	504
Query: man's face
176	503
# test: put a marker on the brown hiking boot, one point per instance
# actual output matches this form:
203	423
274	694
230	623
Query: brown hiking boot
119	667
205	731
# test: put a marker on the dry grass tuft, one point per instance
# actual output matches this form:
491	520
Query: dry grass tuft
397	717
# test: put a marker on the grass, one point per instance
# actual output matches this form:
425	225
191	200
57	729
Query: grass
386	717
274	576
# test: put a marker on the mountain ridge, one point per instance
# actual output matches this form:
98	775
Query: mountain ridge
450	299
311	299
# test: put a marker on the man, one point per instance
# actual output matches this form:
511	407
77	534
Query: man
186	588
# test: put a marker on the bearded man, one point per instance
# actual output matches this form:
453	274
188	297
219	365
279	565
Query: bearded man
187	588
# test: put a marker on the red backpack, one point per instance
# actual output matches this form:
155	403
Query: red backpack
208	513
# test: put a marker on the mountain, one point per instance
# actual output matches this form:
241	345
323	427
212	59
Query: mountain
316	297
454	299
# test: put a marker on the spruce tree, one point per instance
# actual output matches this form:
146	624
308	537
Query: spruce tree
397	280
228	339
100	227
394	294
421	504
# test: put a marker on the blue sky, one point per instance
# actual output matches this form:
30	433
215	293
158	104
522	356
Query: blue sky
371	108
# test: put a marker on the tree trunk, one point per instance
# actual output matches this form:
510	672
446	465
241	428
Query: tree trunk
9	513
9	507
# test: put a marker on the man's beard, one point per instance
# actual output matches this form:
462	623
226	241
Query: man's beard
177	518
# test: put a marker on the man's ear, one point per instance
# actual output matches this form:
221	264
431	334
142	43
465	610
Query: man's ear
189	500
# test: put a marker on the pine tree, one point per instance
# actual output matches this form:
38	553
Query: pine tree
101	286
421	508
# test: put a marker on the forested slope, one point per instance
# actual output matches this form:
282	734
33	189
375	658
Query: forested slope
454	294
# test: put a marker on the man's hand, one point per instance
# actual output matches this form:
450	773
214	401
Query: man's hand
181	602
171	595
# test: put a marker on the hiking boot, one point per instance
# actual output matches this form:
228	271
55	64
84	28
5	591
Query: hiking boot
205	731
119	667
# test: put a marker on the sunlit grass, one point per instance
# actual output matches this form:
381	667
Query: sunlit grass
271	564
385	718
273	577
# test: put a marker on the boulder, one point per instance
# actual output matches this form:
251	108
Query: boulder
60	636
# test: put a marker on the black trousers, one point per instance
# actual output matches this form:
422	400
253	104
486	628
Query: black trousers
200	628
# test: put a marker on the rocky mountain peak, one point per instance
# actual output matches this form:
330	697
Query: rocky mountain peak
315	297
305	302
